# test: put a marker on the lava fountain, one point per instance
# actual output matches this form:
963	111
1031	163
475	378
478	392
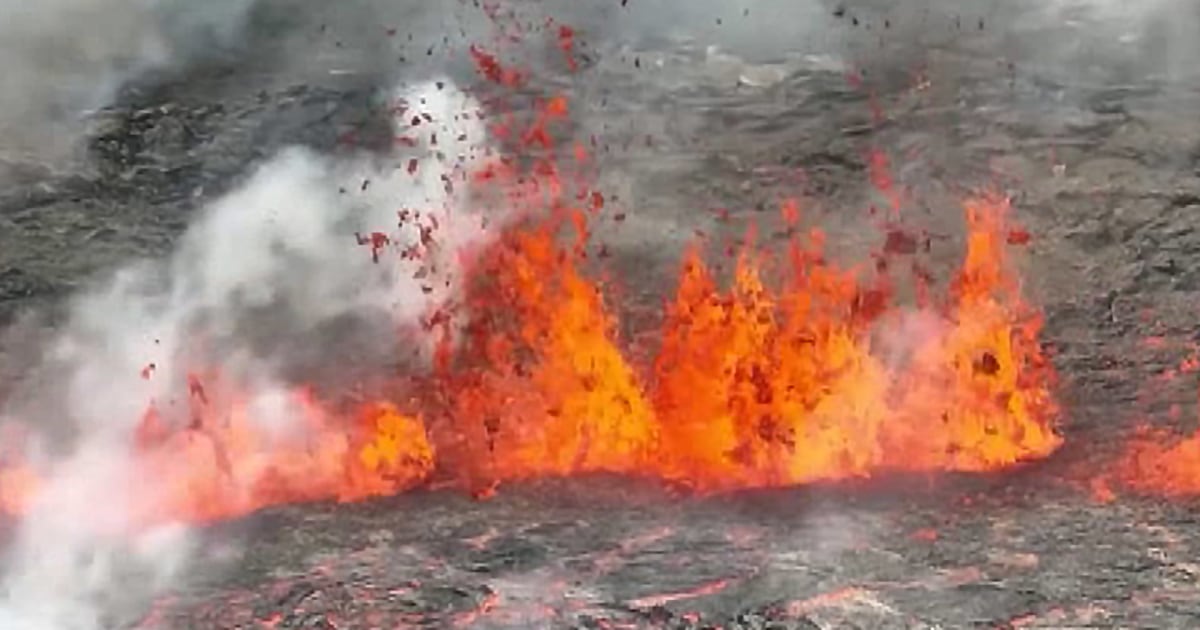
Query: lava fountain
775	376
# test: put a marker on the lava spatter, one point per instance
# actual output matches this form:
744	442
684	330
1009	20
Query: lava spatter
774	376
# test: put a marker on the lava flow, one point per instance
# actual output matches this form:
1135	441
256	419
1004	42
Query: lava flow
226	465
1158	460
788	375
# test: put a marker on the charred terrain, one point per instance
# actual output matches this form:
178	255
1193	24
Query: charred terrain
1101	161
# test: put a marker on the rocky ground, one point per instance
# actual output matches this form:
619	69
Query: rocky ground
1103	171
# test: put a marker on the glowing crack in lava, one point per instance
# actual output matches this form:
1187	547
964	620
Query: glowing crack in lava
775	379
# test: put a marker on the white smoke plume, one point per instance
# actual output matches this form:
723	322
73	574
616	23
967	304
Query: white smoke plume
285	243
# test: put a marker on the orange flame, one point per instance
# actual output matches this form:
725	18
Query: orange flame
986	382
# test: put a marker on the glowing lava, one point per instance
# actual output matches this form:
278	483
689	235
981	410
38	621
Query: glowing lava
792	373
1158	461
756	385
761	386
1157	466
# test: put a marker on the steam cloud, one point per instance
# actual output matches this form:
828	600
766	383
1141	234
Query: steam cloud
284	243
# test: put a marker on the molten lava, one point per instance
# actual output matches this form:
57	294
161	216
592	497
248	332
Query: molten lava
1158	461
755	385
1156	466
796	371
759	384
546	390
225	463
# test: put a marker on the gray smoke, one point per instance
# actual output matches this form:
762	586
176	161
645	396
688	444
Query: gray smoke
1094	40
1104	41
61	58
